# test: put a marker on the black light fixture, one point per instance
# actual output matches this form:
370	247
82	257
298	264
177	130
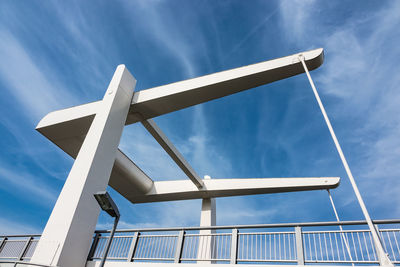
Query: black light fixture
108	205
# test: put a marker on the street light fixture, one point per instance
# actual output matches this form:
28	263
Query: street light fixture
108	205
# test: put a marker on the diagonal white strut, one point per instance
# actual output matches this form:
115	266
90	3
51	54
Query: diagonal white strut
167	145
383	257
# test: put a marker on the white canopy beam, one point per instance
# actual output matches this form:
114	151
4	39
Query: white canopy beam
171	150
184	189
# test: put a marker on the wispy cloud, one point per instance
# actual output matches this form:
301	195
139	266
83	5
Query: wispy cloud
33	89
8	227
26	186
359	85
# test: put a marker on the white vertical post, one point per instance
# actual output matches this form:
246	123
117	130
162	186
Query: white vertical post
207	218
68	233
383	257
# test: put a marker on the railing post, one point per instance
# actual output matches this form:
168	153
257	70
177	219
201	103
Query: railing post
2	243
132	247
94	246
234	245
179	246
22	254
299	245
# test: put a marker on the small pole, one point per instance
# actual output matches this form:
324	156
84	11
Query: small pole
103	260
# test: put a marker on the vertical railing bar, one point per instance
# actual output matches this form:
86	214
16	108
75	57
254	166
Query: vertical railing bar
159	247
354	246
274	246
366	246
270	246
342	241
162	247
279	246
311	248
148	248
265	246
155	246
330	244
299	245
326	248
220	245
201	249
359	242
173	246
395	239
116	246
294	256
381	237
142	242
337	246
284	246
256	247
195	246
390	243
315	247
247	247
320	246
289	236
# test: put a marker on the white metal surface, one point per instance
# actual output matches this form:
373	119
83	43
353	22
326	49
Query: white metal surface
185	189
208	217
67	236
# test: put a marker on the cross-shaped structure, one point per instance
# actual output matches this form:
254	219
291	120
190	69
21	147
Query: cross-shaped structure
91	133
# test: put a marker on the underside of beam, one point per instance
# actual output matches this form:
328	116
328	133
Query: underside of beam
184	189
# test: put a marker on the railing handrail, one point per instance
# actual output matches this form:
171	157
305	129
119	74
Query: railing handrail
16	263
221	227
27	235
252	226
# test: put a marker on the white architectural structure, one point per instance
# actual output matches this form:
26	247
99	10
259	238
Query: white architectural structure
90	133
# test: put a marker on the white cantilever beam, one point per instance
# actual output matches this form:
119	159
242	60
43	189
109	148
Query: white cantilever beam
184	189
67	128
160	100
163	140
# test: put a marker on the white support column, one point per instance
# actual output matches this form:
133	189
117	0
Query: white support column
68	233
207	218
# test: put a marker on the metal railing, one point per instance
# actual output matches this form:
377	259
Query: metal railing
301	243
17	247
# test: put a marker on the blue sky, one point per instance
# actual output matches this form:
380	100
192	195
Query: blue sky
57	54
